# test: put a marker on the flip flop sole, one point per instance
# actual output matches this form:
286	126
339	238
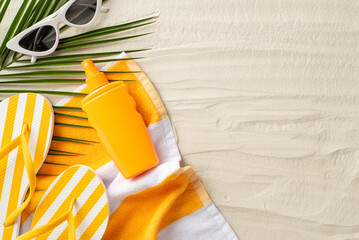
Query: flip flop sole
91	209
35	111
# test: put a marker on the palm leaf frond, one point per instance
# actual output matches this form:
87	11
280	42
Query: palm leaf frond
12	28
56	73
58	164
65	108
55	80
3	8
67	63
71	125
70	116
43	81
60	93
70	57
48	69
75	140
106	31
59	151
66	47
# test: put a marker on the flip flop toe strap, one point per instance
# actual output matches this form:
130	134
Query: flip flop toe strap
21	140
67	216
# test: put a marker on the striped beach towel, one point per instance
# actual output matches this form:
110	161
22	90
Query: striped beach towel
167	202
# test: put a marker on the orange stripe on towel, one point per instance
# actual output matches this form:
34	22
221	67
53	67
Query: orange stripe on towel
143	215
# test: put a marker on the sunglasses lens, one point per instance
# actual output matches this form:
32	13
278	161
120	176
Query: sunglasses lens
40	39
81	11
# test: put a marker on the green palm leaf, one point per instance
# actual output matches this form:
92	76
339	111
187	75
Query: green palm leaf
67	63
13	26
3	8
56	73
99	42
60	93
43	81
66	152
63	58
102	32
54	80
71	125
69	115
64	108
32	11
75	140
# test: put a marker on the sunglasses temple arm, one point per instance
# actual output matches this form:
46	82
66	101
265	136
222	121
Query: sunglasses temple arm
104	9
33	59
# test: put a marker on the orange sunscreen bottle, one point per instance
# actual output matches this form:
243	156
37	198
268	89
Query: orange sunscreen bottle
121	129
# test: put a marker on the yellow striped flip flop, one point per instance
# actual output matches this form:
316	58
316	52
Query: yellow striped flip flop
26	126
75	206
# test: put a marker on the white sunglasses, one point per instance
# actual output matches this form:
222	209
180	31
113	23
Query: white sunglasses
42	38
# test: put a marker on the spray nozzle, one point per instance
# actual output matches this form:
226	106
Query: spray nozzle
95	78
89	67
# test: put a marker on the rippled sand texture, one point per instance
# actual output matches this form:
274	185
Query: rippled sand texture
263	96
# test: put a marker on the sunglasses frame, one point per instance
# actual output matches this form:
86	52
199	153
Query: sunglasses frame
54	20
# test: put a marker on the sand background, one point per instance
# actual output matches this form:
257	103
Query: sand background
263	96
